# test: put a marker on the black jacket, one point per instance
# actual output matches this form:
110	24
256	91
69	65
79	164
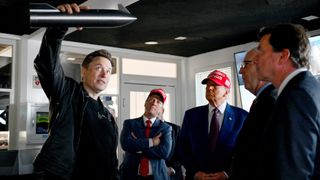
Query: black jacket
68	101
291	141
246	157
173	160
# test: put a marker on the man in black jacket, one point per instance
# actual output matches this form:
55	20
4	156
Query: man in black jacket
291	142
174	166
83	135
246	157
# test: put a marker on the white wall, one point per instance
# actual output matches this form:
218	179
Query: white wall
27	50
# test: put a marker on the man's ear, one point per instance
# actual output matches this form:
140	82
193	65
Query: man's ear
285	55
227	92
83	71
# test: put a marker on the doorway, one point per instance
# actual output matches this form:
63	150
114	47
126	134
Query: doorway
133	99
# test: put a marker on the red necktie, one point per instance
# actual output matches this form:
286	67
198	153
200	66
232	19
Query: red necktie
214	130
144	162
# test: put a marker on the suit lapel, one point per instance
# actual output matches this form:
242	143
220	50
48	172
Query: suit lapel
141	126
228	121
203	123
156	123
155	127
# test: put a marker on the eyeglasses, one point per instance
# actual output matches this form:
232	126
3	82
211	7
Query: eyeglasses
245	63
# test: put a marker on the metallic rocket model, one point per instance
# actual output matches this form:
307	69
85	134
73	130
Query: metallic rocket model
44	15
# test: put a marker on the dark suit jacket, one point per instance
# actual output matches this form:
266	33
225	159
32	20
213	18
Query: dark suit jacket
291	145
173	160
194	140
136	148
246	156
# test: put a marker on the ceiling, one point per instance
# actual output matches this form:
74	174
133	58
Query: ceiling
208	24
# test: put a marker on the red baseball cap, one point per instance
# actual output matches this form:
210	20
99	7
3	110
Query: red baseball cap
159	92
219	78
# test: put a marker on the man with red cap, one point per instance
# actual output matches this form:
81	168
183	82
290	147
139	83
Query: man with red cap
209	132
147	142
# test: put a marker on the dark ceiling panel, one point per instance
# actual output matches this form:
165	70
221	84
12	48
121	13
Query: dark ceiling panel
15	18
208	24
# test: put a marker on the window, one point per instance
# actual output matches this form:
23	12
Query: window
149	68
315	55
5	66
6	54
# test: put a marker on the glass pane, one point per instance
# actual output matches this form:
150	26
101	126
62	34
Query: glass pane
4	119
111	103
315	55
5	66
4	110
149	68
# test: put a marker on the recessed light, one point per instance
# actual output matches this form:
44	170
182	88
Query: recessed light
151	42
71	58
180	38
309	18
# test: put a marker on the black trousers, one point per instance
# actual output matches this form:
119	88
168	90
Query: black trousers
146	177
45	175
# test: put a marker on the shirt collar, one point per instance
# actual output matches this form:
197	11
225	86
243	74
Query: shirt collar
145	119
221	108
262	88
288	78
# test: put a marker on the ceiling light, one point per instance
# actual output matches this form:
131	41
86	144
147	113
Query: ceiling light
151	42
180	38
309	18
71	58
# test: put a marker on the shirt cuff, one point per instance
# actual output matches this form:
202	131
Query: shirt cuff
173	172
225	174
150	142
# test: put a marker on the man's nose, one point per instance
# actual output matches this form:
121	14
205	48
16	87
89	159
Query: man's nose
103	73
241	70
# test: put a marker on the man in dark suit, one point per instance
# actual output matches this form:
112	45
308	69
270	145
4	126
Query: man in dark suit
249	138
209	132
291	144
146	149
173	163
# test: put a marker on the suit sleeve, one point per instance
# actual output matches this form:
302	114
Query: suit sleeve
184	149
295	144
173	160
162	151
128	142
